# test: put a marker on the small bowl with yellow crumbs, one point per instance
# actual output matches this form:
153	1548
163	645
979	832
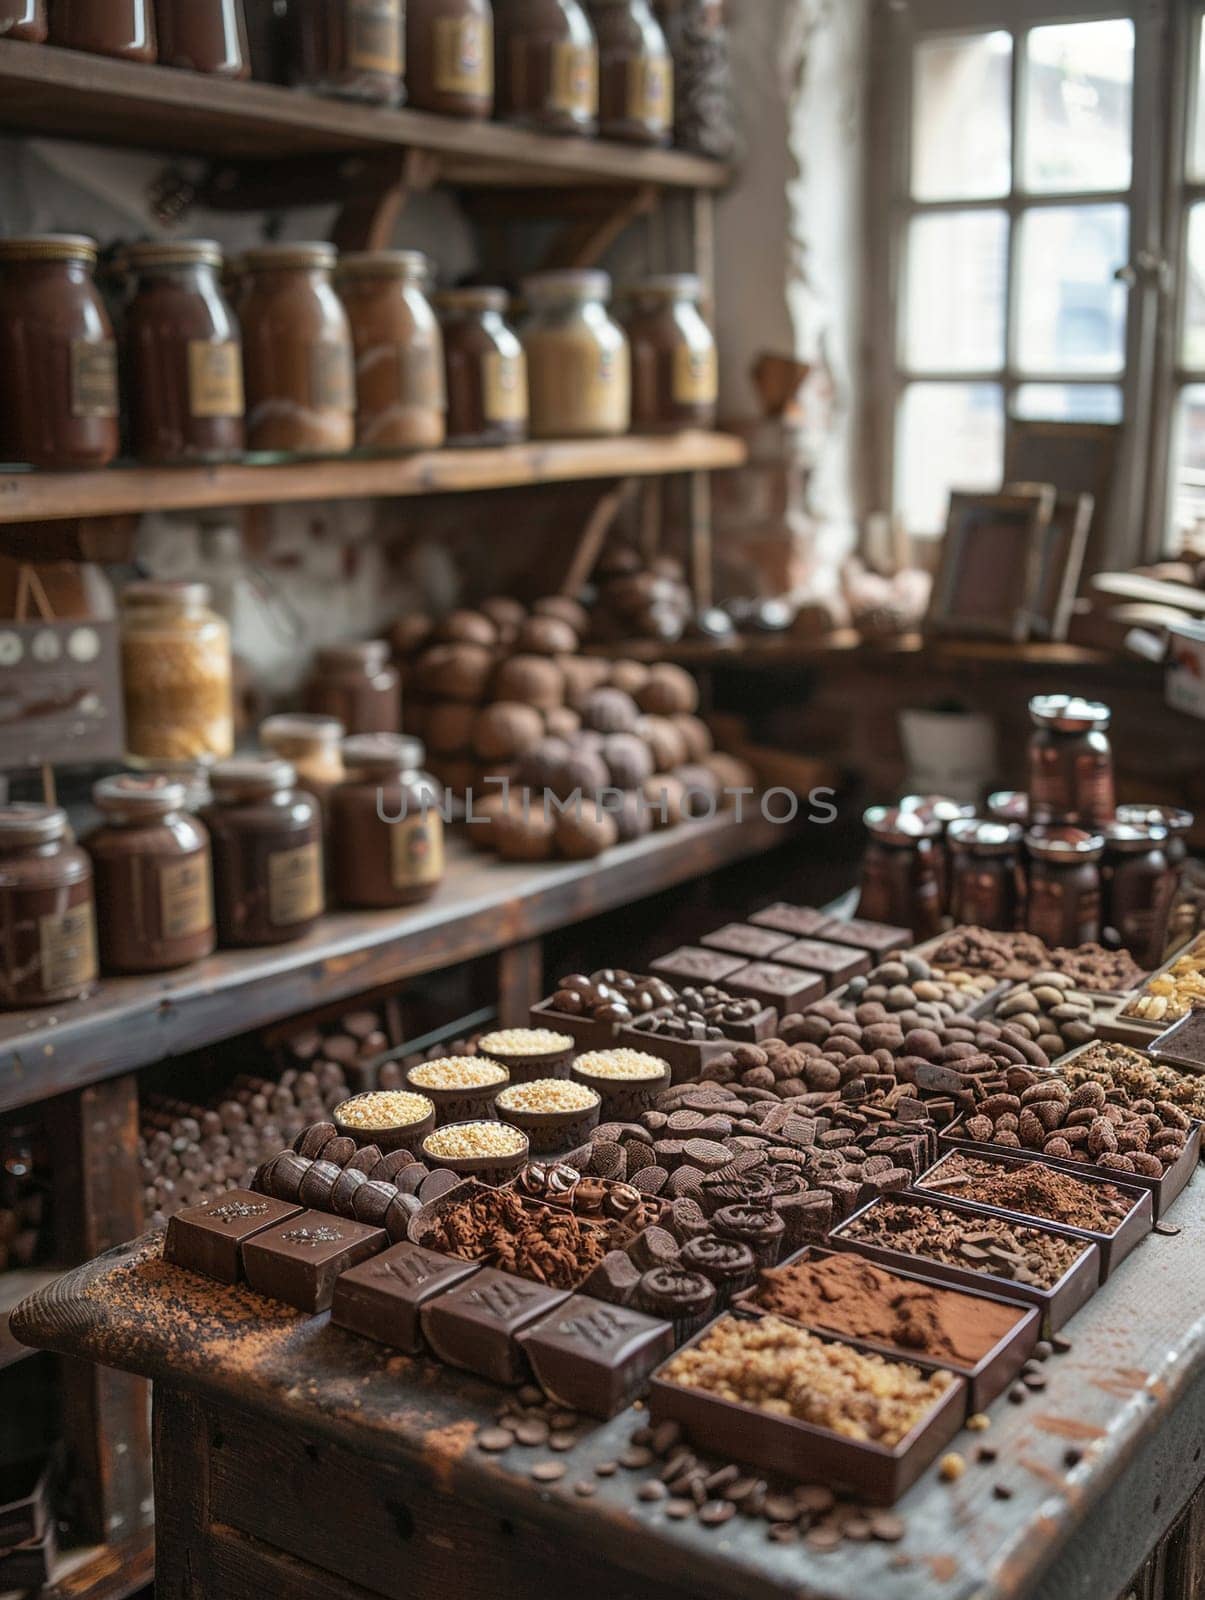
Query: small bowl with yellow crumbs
627	1081
529	1053
392	1119
489	1151
554	1113
463	1088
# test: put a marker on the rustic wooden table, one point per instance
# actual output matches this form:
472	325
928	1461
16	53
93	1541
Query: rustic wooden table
294	1460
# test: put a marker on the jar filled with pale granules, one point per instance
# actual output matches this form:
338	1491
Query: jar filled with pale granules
176	675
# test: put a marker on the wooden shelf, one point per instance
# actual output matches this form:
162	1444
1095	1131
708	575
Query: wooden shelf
98	1572
69	95
27	497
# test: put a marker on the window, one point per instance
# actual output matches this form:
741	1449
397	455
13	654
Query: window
1186	497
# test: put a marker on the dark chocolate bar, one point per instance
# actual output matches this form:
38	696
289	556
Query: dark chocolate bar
474	1325
593	1357
381	1299
208	1238
300	1261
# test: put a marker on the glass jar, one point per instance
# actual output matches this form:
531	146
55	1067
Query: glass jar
357	684
1009	805
941	809
354	49
154	896
450	56
311	746
400	401
58	358
578	363
900	872
1177	822
176	675
987	886
267	853
675	380
204	36
1064	901
268	39
298	360
547	65
1138	882
1070	762
386	826
185	360
23	19
47	929
124	28
485	368
635	72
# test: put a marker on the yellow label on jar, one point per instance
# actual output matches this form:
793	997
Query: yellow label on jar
185	897
93	378
374	36
574	79
421	377
651	91
464	55
332	383
504	387
294	885
215	379
68	948
417	850
696	377
578	386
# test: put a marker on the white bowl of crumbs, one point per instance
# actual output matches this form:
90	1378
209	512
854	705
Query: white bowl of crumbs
529	1053
392	1119
463	1088
554	1113
628	1081
491	1151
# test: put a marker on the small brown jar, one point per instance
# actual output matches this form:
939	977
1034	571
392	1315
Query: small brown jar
298	359
124	28
400	400
359	685
58	358
1177	822
1070	762
204	36
354	49
986	881
547	65
267	853
635	72
450	56
1009	805
154	895
1138	883
941	809
1064	906
900	880
578	361
386	825
23	19
185	358
485	367
47	928
675	381
311	746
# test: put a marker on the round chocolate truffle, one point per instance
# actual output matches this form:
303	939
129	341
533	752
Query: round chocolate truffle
533	680
701	790
630	676
455	671
409	634
665	742
610	711
697	737
562	723
505	613
565	609
632	818
455	774
729	772
540	766
581	837
449	727
582	772
583	675
546	636
666	801
670	691
524	837
505	730
466	627
628	760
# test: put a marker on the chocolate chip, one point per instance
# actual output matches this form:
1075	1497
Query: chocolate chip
783	1533
495	1440
679	1510
825	1537
561	1440
532	1431
665	1436
781	1508
548	1471
1060	1344
583	1488
884	1525
635	1457
716	1512
654	1489
606	1469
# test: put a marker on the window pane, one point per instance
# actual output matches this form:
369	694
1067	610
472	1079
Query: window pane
957	268
960	117
1196	127
1067	402
1071	313
949	436
1194	290
1078	95
1188	469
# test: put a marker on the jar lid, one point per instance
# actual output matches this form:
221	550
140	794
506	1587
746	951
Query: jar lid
567	287
1009	805
1131	838
165	591
894	826
1064	845
301	727
383	752
1174	818
250	777
174	253
26	823
50	247
371	653
1068	713
471	298
984	838
152	794
667	286
384	264
266	257
937	808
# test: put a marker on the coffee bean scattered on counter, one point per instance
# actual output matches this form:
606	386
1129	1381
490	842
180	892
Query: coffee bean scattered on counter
1055	1015
610	995
1116	1066
980	1244
1032	1188
1019	956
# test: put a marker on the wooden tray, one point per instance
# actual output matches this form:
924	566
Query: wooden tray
685	1058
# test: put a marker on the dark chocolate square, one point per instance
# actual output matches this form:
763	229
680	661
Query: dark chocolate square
799	921
878	938
691	964
787	988
381	1298
299	1262
838	962
593	1357
742	939
207	1238
474	1325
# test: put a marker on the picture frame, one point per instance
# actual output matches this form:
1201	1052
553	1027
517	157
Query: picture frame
989	564
1062	548
1078	458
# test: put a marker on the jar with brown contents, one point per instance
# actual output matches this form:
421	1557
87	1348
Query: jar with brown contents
635	72
485	367
124	28
1064	885
987	886
185	359
354	49
900	879
177	677
312	747
1070	762
578	363
358	685
47	930
204	36
1177	823
23	19
400	401
450	56
298	360
154	897
547	65
675	380
58	358
1138	884
386	825
267	853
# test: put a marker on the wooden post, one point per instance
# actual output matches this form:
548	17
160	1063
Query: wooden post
520	981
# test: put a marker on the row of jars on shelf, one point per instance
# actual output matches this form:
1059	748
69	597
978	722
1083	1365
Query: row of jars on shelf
317	354
156	886
556	65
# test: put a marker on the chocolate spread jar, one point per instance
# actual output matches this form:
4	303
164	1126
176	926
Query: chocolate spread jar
1064	885
945	812
1138	882
386	825
351	48
58	358
547	65
987	886
1009	805
450	56
123	28
1177	822
154	896
578	363
357	684
184	357
204	36
675	380
267	853
635	72
900	876
311	745
1070	762
47	931
23	19
298	360
485	367
400	400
